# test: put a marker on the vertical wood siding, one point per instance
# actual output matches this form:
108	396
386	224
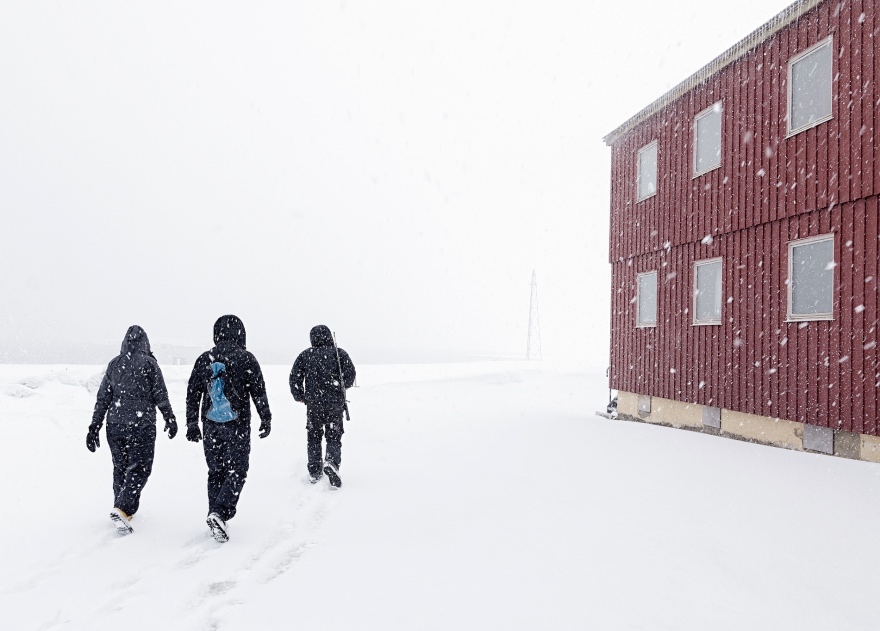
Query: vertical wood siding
770	189
764	175
820	372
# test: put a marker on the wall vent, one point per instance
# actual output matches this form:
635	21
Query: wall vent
712	417
819	439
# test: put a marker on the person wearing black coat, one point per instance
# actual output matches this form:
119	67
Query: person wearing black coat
316	381
130	392
223	381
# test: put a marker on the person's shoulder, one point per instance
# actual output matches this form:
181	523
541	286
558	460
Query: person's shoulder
306	353
205	359
110	371
250	358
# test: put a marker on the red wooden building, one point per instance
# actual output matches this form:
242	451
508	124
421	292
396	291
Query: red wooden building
744	239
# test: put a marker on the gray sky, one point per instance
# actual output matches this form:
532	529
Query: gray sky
392	169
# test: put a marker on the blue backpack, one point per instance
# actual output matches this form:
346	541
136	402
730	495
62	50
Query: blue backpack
221	411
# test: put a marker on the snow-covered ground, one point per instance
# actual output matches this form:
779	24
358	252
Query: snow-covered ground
475	496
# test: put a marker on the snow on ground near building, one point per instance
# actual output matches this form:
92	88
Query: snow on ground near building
475	496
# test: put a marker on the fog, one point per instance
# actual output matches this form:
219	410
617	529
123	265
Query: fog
394	170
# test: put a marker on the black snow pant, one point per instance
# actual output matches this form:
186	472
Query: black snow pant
227	452
318	421
132	448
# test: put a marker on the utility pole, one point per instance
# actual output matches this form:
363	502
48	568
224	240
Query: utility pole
533	347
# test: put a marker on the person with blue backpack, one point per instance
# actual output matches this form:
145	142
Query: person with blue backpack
221	386
131	390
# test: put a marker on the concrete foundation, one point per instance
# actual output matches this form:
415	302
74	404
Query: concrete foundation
676	413
762	429
627	403
759	429
869	448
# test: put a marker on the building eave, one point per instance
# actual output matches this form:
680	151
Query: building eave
758	37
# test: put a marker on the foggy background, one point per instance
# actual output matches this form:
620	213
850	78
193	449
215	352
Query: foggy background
394	170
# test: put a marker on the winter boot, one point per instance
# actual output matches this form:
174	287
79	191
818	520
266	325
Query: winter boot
218	528
314	478
333	474
121	521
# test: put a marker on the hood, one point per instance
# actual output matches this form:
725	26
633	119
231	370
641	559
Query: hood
136	340
229	328
321	336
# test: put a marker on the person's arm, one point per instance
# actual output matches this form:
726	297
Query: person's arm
160	392
102	404
195	388
160	398
297	374
348	372
257	388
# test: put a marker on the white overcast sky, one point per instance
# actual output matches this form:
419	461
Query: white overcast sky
392	169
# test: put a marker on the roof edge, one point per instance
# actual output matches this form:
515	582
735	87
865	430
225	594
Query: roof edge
758	37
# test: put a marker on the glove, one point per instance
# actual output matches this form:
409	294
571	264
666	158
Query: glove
193	433
171	427
265	428
93	438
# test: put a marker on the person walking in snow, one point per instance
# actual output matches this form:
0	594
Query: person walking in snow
319	378
223	381
130	392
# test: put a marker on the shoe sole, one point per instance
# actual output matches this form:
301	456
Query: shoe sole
335	480
216	531
122	525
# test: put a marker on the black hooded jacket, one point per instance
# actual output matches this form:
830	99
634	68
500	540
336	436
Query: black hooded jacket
243	378
314	378
133	386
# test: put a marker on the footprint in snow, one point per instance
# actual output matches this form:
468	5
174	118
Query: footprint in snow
218	589
196	548
286	559
127	582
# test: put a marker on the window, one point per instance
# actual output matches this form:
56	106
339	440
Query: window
707	292
707	140
646	300
811	278
647	175
809	87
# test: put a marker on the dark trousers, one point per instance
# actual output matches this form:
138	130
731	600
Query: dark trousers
321	420
132	448
227	452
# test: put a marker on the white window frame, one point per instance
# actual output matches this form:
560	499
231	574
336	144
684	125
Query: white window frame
708	110
653	143
828	41
648	325
790	317
697	264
